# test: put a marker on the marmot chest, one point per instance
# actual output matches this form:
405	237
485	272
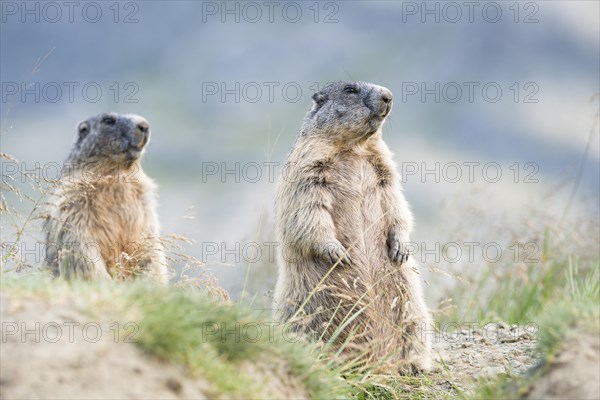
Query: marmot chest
358	192
117	218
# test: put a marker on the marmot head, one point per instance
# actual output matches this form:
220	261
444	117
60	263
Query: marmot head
111	139
348	111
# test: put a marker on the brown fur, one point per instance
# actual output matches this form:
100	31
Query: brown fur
340	199
102	221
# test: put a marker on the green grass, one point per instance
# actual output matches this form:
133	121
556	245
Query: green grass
574	308
514	294
207	336
216	341
430	386
577	307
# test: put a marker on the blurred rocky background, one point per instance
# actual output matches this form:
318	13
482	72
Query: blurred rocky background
494	121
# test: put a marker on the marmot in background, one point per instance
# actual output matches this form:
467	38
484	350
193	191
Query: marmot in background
102	220
340	199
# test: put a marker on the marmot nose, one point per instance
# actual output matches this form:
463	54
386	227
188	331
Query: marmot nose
141	134
386	96
143	126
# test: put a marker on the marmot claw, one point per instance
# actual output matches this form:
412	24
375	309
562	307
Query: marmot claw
334	252
397	251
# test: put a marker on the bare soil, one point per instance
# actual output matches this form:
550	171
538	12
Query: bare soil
58	352
574	373
470	356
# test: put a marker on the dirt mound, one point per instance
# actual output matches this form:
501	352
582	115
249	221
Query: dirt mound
574	373
58	349
60	352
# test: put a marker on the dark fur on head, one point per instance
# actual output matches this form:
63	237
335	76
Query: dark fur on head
110	138
348	111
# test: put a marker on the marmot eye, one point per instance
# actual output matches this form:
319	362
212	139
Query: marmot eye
109	120
351	89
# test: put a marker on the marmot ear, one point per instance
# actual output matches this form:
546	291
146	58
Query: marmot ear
319	98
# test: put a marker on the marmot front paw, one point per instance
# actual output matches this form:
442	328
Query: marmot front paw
397	249
334	251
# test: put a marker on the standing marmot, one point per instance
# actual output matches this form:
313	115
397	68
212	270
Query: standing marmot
102	221
340	198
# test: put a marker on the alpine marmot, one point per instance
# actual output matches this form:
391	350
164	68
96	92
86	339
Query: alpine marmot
102	220
342	221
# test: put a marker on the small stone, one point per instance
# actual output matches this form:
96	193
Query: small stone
174	385
491	371
515	364
525	336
